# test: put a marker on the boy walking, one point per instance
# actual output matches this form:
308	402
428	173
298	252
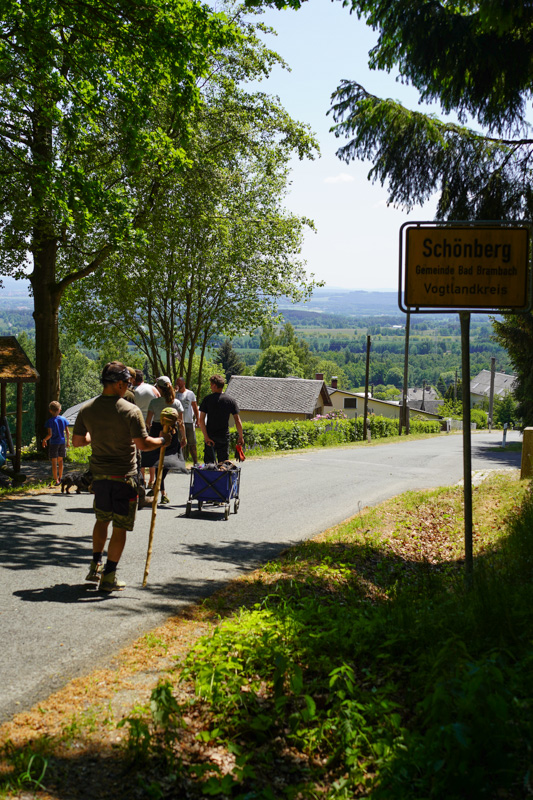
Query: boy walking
58	435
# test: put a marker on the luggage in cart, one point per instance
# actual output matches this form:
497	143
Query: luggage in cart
214	487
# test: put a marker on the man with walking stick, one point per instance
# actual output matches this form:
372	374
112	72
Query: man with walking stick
114	428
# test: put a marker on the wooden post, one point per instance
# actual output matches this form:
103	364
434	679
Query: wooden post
3	399
18	435
491	391
168	418
526	467
365	412
157	486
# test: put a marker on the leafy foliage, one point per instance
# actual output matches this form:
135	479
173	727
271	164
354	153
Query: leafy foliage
222	247
278	361
366	669
272	436
79	99
516	334
229	360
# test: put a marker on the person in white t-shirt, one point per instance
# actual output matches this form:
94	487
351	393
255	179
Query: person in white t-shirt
144	393
191	416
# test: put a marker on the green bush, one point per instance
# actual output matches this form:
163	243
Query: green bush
479	416
294	435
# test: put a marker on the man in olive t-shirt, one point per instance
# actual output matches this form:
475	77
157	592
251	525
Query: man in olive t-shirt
114	428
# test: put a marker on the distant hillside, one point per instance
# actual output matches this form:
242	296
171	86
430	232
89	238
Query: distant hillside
345	301
12	288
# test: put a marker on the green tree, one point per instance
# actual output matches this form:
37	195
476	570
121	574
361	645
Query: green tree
330	369
441	385
394	376
229	359
81	85
286	337
515	333
505	410
483	70
222	246
451	391
79	377
473	59
278	362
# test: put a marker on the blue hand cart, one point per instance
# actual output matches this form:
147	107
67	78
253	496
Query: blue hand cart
214	487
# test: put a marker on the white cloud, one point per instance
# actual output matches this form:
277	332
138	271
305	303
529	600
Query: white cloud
343	177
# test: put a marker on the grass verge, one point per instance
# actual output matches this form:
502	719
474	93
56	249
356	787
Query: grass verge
356	665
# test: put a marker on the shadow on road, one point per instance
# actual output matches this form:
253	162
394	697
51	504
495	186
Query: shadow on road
496	454
63	593
24	543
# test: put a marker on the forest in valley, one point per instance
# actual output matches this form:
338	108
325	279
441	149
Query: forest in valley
300	341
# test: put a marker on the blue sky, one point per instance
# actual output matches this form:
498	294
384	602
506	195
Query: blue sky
356	244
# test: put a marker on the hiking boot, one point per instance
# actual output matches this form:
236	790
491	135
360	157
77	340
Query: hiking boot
95	572
165	500
109	583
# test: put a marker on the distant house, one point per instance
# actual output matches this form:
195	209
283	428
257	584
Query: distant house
353	405
480	386
415	395
423	399
269	399
72	412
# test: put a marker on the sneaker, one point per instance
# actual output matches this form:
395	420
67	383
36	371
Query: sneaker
150	486
109	583
150	493
95	572
165	500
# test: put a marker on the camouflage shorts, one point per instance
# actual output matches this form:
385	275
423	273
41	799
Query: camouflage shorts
115	500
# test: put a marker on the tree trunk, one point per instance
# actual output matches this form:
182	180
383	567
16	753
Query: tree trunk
46	298
46	293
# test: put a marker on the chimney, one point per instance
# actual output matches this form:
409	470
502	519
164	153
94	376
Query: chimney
333	381
319	376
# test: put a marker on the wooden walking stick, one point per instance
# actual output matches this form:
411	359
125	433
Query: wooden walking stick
168	419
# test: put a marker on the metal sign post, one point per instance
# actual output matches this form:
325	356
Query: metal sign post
467	267
467	446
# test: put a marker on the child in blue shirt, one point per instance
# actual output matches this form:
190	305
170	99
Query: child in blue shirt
59	439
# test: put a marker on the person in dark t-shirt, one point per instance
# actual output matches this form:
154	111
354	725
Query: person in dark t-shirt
215	411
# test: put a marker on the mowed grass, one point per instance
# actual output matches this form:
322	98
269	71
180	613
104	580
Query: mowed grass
358	664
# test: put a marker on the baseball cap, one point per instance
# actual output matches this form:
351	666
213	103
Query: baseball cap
162	381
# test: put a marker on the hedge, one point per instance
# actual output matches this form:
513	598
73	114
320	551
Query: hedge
294	435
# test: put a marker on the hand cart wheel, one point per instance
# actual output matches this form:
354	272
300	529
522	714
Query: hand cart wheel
226	512
188	508
236	505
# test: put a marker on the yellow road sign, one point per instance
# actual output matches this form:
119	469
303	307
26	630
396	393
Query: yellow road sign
466	267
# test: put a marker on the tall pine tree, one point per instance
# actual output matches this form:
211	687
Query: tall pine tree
230	360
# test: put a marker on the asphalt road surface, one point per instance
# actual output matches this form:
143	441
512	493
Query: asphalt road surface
54	626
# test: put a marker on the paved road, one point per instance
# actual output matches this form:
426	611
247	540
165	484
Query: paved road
53	626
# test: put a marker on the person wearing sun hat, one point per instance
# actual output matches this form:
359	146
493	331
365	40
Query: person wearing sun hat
167	400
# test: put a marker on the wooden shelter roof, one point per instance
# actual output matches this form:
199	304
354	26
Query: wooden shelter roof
15	366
